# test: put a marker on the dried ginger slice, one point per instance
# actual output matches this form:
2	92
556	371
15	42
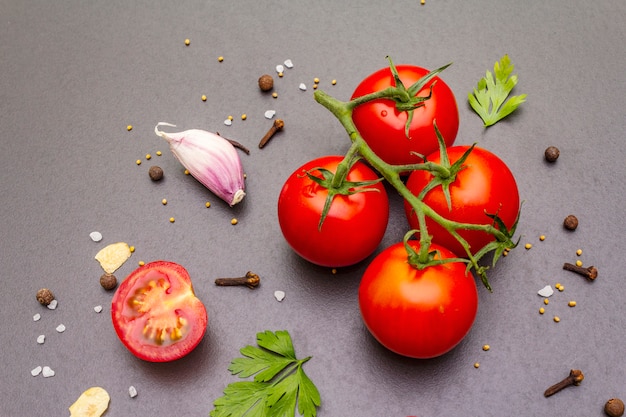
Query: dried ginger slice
91	403
113	256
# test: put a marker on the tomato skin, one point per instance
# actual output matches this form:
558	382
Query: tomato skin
354	225
383	126
171	304
486	184
417	313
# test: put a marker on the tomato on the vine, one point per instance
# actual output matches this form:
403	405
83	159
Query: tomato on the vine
354	225
419	313
156	314
382	125
484	185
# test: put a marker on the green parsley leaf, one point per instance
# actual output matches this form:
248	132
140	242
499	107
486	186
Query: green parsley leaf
489	98
279	385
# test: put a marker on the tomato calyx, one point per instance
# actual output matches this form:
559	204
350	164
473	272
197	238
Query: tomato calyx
407	99
425	258
336	183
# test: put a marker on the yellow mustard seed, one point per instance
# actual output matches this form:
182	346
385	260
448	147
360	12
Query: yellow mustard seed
528	246
164	201
220	58
159	153
556	319
422	2
186	172
476	365
187	42
542	238
138	162
230	117
131	249
275	94
148	156
572	303
561	288
207	204
579	252
203	97
172	220
280	74
314	86
244	116
333	271
141	263
234	221
316	80
129	127
333	82
546	301
579	263
486	347
542	310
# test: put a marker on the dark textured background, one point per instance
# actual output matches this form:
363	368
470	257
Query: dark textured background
73	75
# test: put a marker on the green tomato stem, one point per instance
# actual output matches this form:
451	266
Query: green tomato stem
392	173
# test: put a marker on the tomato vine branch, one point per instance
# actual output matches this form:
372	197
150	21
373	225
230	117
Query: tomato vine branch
393	175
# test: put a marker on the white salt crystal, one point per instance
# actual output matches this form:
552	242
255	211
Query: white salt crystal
41	338
302	86
97	309
61	328
546	291
36	371
228	122
47	372
280	68
132	391
95	236
279	295
37	317
288	63
53	304
269	114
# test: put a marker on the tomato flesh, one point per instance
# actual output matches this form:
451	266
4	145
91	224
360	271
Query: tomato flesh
417	313
156	314
486	184
382	126
354	225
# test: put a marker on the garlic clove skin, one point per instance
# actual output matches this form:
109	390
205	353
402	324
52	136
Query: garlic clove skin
210	159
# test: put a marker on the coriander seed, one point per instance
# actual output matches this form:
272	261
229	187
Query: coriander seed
266	82
552	153
108	281
614	407
155	173
570	222
44	296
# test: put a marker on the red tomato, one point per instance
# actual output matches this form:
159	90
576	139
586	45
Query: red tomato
156	314
417	313
383	126
485	185
354	225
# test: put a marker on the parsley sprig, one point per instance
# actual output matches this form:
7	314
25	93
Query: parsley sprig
279	384
489	98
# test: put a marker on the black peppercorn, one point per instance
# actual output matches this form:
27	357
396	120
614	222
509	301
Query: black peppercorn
44	296
108	281
155	172
614	407
552	153
570	222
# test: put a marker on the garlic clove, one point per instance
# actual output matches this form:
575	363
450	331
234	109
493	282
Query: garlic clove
210	159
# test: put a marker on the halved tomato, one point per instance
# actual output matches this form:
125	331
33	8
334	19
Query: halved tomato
156	314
